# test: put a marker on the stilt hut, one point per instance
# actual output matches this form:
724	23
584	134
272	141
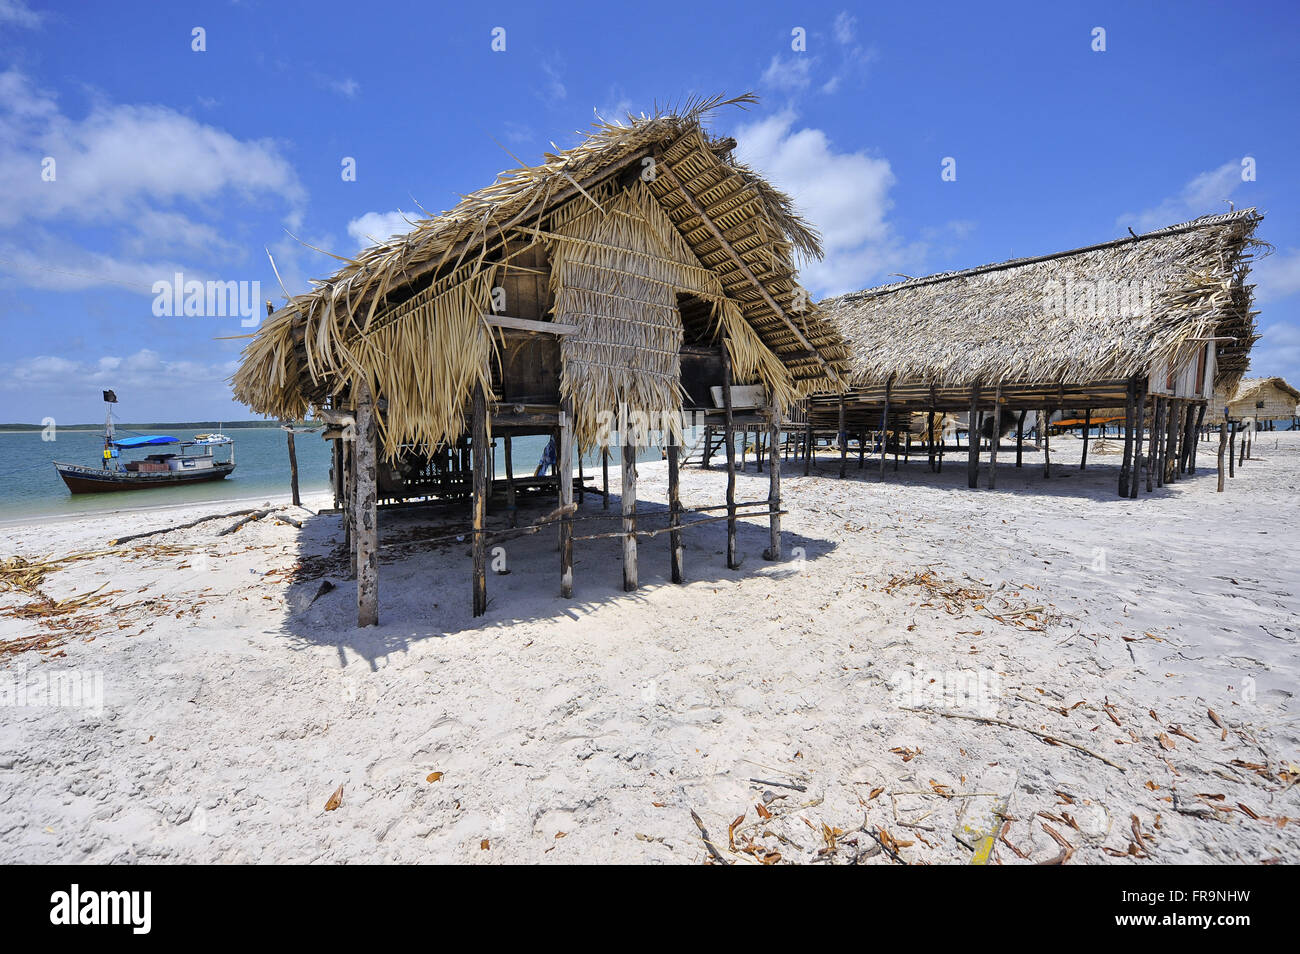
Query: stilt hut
1259	399
1145	326
595	298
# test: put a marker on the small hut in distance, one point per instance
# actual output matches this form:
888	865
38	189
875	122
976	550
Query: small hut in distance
1144	327
1259	400
619	281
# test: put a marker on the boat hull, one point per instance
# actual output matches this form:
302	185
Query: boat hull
88	480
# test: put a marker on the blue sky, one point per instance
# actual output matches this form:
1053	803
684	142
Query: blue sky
168	159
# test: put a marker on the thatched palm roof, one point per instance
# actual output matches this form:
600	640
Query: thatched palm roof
407	312
1248	387
1032	320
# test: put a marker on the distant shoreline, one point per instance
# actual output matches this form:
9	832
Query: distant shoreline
157	425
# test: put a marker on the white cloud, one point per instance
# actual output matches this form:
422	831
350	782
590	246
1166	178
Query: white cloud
17	12
1204	194
790	73
347	88
143	368
845	27
377	226
846	195
1276	276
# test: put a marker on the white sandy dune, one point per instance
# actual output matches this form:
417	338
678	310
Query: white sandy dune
588	730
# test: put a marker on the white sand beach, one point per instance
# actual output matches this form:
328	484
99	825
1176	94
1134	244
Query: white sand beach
589	730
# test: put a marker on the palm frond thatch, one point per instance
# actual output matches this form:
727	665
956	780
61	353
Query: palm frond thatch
408	313
1062	318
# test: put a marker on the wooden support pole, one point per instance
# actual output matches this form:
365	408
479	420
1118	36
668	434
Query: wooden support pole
862	450
676	550
1223	449
884	427
604	477
972	439
629	517
1173	424
1139	428
564	475
336	471
733	559
1130	413
1158	445
350	503
1020	438
773	551
843	437
929	439
478	502
367	512
994	441
1196	444
1047	442
1232	449
293	465
1087	430
808	449
511	509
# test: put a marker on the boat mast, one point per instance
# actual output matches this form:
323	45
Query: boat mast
109	400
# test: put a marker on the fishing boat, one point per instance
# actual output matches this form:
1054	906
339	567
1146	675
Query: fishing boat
183	462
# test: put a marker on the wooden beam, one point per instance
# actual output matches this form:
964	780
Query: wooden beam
367	513
530	325
478	504
663	169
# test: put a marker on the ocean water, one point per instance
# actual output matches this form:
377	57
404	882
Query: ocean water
29	486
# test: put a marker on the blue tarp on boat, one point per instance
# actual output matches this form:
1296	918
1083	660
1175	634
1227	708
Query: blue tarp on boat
145	440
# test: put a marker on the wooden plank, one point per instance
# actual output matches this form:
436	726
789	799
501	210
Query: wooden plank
478	450
675	548
530	325
367	514
629	517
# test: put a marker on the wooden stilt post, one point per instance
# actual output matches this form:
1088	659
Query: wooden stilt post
478	501
1173	422
293	463
336	472
862	450
1158	441
1223	449
564	476
884	427
972	439
582	481
1130	413
808	448
676	550
733	559
1139	425
1087	430
629	515
511	508
1196	444
350	501
1047	442
1232	448
994	441
604	477
1020	438
367	514
929	439
844	440
773	551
